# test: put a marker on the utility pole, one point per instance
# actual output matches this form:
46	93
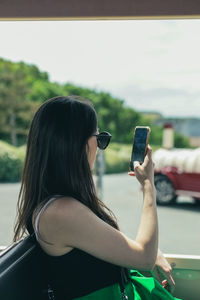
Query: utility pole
100	168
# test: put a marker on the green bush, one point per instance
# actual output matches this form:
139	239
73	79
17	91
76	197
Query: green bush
118	156
11	162
115	163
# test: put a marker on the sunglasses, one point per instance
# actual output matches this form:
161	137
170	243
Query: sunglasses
103	139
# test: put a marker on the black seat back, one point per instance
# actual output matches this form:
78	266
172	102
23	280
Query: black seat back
22	274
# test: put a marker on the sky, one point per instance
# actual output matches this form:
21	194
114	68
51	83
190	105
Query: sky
153	65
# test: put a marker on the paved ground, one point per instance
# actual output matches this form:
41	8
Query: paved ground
178	225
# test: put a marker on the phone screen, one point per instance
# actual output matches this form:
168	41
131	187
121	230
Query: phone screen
139	146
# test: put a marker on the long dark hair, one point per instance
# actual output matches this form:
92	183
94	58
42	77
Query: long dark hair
56	160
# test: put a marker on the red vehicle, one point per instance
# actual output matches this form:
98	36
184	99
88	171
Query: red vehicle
177	172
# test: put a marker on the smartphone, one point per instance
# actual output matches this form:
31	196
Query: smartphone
140	143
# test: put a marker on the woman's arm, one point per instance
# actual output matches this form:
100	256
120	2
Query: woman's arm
163	271
69	223
147	235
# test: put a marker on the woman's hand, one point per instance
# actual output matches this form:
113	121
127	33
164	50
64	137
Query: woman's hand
145	171
163	272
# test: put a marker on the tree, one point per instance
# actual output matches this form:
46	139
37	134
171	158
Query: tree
112	113
23	88
15	110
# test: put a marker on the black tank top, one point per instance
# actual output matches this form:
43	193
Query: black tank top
76	273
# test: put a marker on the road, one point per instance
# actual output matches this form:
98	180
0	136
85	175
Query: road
178	224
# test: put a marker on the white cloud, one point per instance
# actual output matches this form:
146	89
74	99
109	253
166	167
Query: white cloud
149	58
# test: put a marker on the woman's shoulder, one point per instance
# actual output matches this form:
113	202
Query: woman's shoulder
65	221
52	214
54	206
48	225
63	207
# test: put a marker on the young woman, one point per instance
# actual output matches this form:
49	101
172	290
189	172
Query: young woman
84	250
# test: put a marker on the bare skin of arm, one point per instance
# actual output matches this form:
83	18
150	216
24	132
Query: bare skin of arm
163	272
69	223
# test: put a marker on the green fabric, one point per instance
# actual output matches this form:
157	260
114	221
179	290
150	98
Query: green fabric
139	288
111	292
148	288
